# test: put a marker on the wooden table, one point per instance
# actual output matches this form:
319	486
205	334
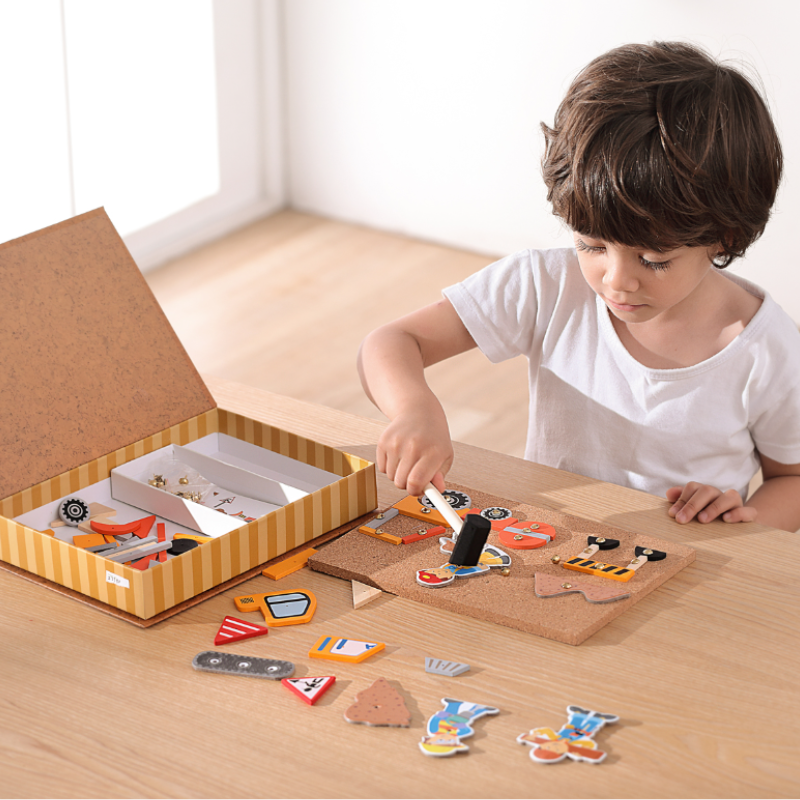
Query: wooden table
703	673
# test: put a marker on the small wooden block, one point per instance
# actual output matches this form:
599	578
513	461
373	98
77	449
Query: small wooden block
380	704
288	565
363	594
384	537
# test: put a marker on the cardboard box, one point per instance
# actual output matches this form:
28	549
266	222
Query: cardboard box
92	376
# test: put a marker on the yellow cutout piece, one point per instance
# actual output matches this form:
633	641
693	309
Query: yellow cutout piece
384	537
88	540
280	608
363	594
194	538
288	565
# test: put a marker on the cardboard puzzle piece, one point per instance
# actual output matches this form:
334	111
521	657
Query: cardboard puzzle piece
448	727
553	586
310	689
289	565
380	705
450	669
280	608
235	630
349	650
574	740
230	664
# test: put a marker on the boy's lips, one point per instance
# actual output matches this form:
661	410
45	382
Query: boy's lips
623	306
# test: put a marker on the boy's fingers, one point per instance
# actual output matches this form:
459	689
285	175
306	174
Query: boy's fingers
674	493
741	514
695	503
725	502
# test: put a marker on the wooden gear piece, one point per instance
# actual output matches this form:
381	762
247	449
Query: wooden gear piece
552	586
380	705
280	608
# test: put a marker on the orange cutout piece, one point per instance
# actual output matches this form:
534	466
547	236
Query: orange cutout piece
527	535
139	527
418	537
411	507
88	540
280	608
384	537
288	565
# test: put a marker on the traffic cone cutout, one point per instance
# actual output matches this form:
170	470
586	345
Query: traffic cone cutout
234	630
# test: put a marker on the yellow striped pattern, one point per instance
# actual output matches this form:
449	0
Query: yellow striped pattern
163	586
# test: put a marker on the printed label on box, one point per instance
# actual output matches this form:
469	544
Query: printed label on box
117	580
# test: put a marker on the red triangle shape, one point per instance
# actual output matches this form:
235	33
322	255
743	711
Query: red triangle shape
309	689
234	630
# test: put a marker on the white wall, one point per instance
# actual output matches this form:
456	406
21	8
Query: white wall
422	116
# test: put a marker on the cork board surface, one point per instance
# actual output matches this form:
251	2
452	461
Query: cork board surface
88	361
507	600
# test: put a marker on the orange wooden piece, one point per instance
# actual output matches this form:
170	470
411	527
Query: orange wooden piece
88	540
417	537
162	532
527	542
139	527
502	524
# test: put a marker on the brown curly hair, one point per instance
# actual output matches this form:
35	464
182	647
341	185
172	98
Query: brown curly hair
658	146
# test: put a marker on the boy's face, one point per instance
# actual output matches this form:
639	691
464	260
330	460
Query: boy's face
638	285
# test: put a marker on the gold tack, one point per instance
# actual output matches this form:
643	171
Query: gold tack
518	537
535	526
425	510
648	552
635	561
600	539
379	516
566	585
556	559
527	530
184	480
505	571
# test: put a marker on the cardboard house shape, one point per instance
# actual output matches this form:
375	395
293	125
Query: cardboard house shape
92	376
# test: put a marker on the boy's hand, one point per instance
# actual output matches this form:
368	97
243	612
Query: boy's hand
707	503
415	450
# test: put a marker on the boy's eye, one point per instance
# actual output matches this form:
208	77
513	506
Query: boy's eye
591	248
656	265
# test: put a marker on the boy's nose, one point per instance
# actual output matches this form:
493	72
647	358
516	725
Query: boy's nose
620	275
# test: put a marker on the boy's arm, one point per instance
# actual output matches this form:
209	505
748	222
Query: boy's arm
415	449
775	503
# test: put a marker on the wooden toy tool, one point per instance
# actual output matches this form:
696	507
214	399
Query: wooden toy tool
444	508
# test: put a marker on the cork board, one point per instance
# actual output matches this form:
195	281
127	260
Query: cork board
88	361
507	600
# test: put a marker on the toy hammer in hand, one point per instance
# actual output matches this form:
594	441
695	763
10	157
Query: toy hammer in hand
470	535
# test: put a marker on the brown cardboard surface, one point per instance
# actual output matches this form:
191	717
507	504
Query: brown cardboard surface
88	361
506	600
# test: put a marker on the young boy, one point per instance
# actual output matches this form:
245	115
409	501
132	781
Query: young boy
650	367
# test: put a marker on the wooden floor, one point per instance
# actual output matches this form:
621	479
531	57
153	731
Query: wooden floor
283	305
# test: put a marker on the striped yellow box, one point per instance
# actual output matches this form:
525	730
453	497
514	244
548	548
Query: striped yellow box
144	594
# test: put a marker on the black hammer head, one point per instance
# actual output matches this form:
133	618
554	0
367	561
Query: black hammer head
470	542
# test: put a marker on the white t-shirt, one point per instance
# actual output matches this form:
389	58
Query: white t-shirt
596	411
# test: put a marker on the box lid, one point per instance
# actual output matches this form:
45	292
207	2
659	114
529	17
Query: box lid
88	361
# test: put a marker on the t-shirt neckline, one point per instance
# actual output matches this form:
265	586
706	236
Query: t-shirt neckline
681	373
